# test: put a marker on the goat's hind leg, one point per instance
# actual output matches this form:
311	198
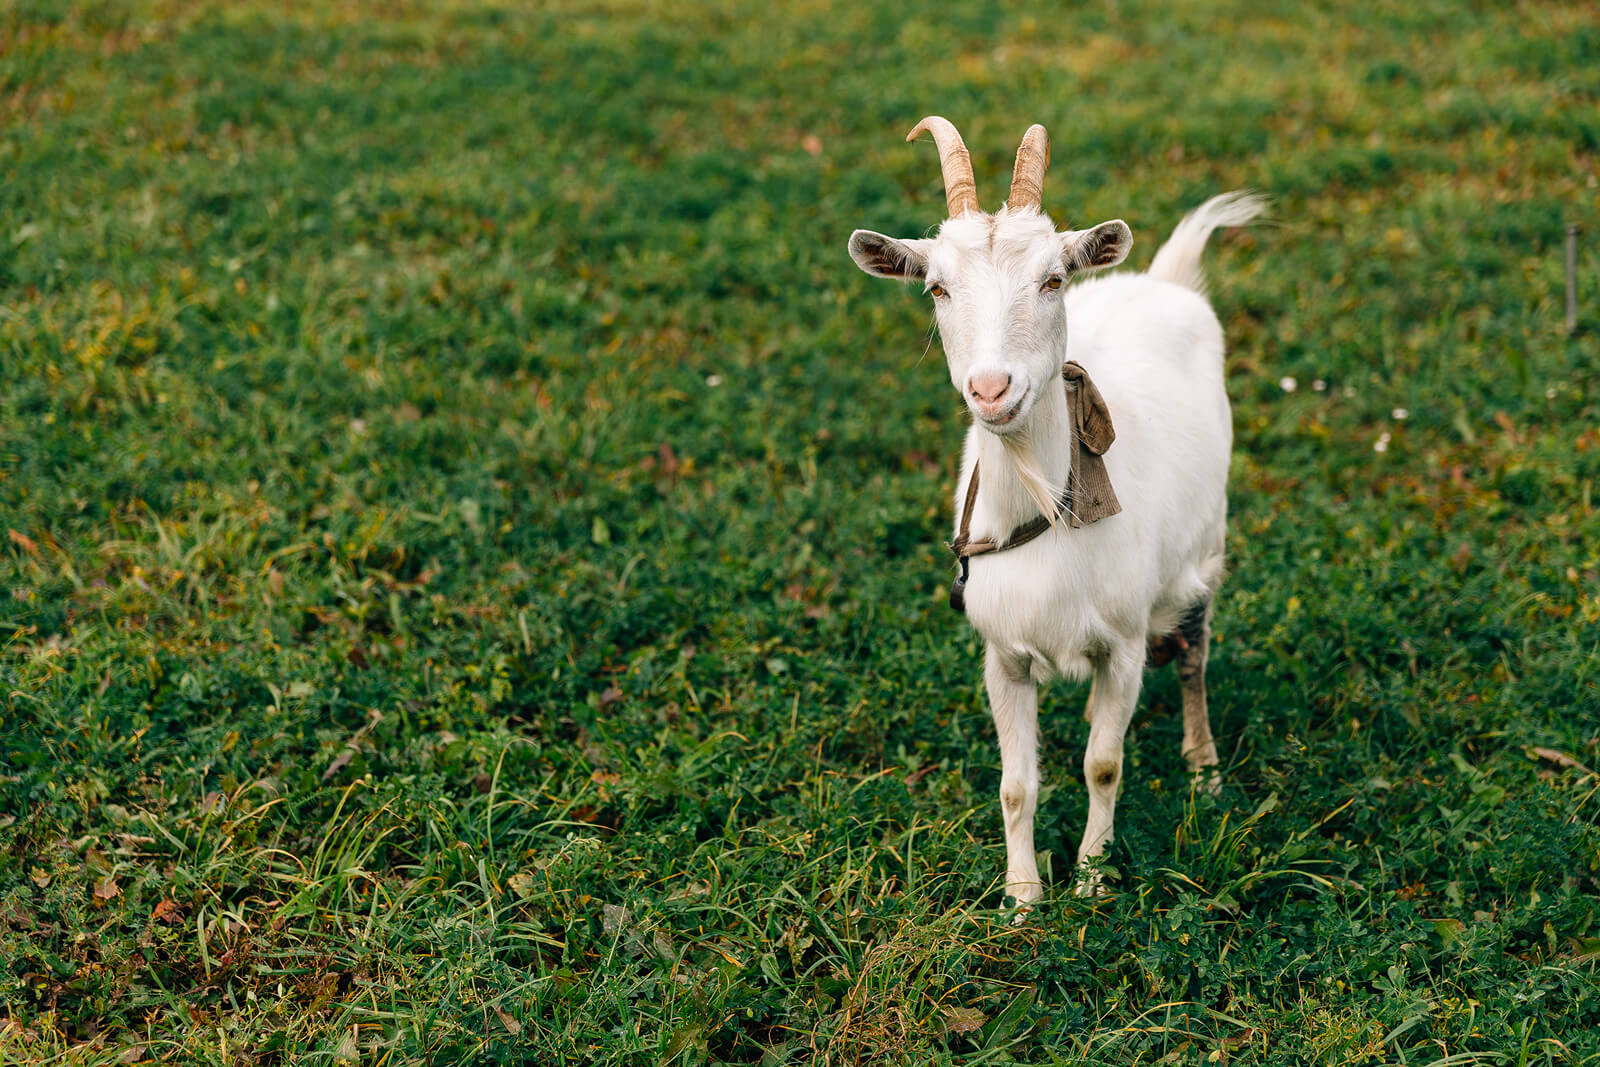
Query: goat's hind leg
1199	748
1014	702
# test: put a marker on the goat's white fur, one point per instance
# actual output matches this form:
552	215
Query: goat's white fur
1083	602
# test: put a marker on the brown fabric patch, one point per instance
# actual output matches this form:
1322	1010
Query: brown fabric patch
1090	486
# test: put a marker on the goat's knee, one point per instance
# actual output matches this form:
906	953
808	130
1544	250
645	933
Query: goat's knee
1103	774
1014	798
1017	797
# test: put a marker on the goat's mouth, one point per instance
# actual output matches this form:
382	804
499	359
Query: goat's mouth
1005	417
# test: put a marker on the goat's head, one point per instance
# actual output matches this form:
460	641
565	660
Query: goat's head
996	280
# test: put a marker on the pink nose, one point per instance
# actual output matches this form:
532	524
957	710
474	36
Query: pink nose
988	389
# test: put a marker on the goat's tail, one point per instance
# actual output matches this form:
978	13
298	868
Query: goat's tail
1179	259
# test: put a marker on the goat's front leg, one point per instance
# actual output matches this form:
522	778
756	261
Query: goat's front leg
1112	699
1014	702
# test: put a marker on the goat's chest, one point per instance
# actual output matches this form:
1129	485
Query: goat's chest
1052	608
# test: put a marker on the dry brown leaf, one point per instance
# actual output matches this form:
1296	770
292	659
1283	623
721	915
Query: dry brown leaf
1241	1039
106	888
963	1020
1560	759
24	542
339	762
668	460
508	1021
694	891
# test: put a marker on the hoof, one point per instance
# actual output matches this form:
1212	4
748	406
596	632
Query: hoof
1207	780
1022	902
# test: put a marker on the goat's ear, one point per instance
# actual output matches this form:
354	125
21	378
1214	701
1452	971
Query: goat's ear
1104	245
886	257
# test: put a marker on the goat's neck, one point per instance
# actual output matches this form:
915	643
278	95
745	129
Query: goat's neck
1045	443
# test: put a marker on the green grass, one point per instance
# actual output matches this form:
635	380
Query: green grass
410	653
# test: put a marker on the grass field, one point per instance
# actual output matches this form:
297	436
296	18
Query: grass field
472	586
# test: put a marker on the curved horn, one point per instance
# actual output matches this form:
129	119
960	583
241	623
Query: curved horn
1027	177
960	191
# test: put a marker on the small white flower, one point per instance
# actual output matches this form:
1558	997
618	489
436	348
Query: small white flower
1550	393
1400	414
1382	443
1319	385
713	380
1288	385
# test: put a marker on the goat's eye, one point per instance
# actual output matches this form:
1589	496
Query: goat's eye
936	290
1053	282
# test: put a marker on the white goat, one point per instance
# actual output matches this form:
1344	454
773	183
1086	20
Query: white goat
1103	587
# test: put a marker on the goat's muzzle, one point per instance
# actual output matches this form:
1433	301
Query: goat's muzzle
993	400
